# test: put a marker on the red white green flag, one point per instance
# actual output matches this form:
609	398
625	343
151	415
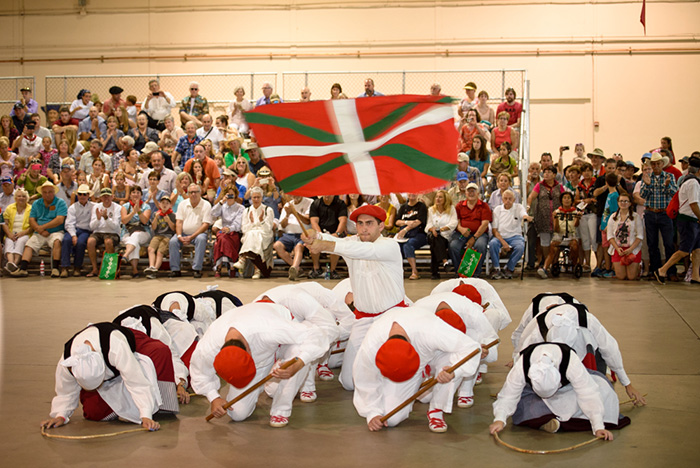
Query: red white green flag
370	146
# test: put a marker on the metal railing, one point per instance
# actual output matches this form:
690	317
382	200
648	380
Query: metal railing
9	91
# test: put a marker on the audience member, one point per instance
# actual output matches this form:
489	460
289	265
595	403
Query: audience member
625	232
488	115
211	173
256	162
183	181
228	237
152	194
193	219
7	129
597	158
289	246
468	102
163	227
80	108
608	199
337	91
77	227
93	126
7	196
572	177
412	219
7	158
513	107
507	234
502	132
327	214
65	121
193	107
28	145
266	98
390	228
32	180
369	89
257	227
441	223
305	94
435	89
209	132
588	225
474	217
16	229
94	153
548	196
135	217
105	227
565	221
111	137
184	151
167	178
142	133
27	101
503	183
504	161
479	156
470	129
157	105
237	109
67	185
39	130
114	102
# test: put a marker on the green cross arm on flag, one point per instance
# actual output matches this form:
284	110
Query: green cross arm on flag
372	146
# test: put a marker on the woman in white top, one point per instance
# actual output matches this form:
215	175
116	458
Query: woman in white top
228	236
171	134
244	177
625	232
258	221
236	110
81	106
442	220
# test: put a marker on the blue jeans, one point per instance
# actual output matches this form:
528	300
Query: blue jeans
656	223
517	244
457	243
78	250
408	248
200	246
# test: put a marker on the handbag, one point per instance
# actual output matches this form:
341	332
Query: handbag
110	266
470	260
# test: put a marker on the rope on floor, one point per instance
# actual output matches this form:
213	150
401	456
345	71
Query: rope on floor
96	436
544	452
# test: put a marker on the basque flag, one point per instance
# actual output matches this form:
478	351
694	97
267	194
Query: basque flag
371	146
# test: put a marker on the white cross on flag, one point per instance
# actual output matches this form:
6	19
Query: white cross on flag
371	146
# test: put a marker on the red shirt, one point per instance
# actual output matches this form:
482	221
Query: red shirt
674	170
72	121
108	107
210	170
472	218
513	110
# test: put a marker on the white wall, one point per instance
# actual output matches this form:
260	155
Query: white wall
577	54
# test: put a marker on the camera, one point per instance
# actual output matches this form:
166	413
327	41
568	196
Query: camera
565	148
31	125
157	93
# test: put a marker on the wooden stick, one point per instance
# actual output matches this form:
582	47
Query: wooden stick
96	436
301	223
544	452
490	345
630	400
253	388
338	351
431	382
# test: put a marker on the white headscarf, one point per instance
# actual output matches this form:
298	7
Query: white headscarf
544	376
564	330
134	323
172	298
88	367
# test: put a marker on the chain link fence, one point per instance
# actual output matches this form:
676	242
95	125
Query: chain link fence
9	91
217	88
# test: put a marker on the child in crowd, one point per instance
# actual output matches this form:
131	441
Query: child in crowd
565	219
120	190
163	225
131	108
81	179
51	163
20	167
98	179
572	175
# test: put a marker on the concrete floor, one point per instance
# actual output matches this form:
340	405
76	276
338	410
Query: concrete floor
657	328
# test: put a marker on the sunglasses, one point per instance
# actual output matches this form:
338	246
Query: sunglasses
194	89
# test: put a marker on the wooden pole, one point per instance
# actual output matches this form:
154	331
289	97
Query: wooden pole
490	345
338	351
253	388
544	452
430	383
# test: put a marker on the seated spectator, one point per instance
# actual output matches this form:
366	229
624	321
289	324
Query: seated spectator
687	223
77	232
479	156
588	225
507	234
208	131
468	102
114	102
606	190
7	194
46	219
152	194
193	220
163	226
111	138
485	111
98	180
142	133
7	158
548	195
65	121
458	193
105	226
94	153
512	107
503	183
80	108
8	130
67	185
470	129
127	144
80	179
441	223
353	201
327	214
167	178
625	232
474	217
390	222
236	111
183	181
20	168
93	126
502	132
337	92
21	117
135	216
504	162
157	105
369	89
255	162
194	106
209	176
51	161
228	236
171	134
32	180
565	220
41	132
184	151
412	219
131	168
27	101
231	150
16	229
28	144
289	246
131	110
257	228
267	93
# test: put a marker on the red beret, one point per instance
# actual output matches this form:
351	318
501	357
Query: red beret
371	210
468	291
235	366
452	318
397	360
